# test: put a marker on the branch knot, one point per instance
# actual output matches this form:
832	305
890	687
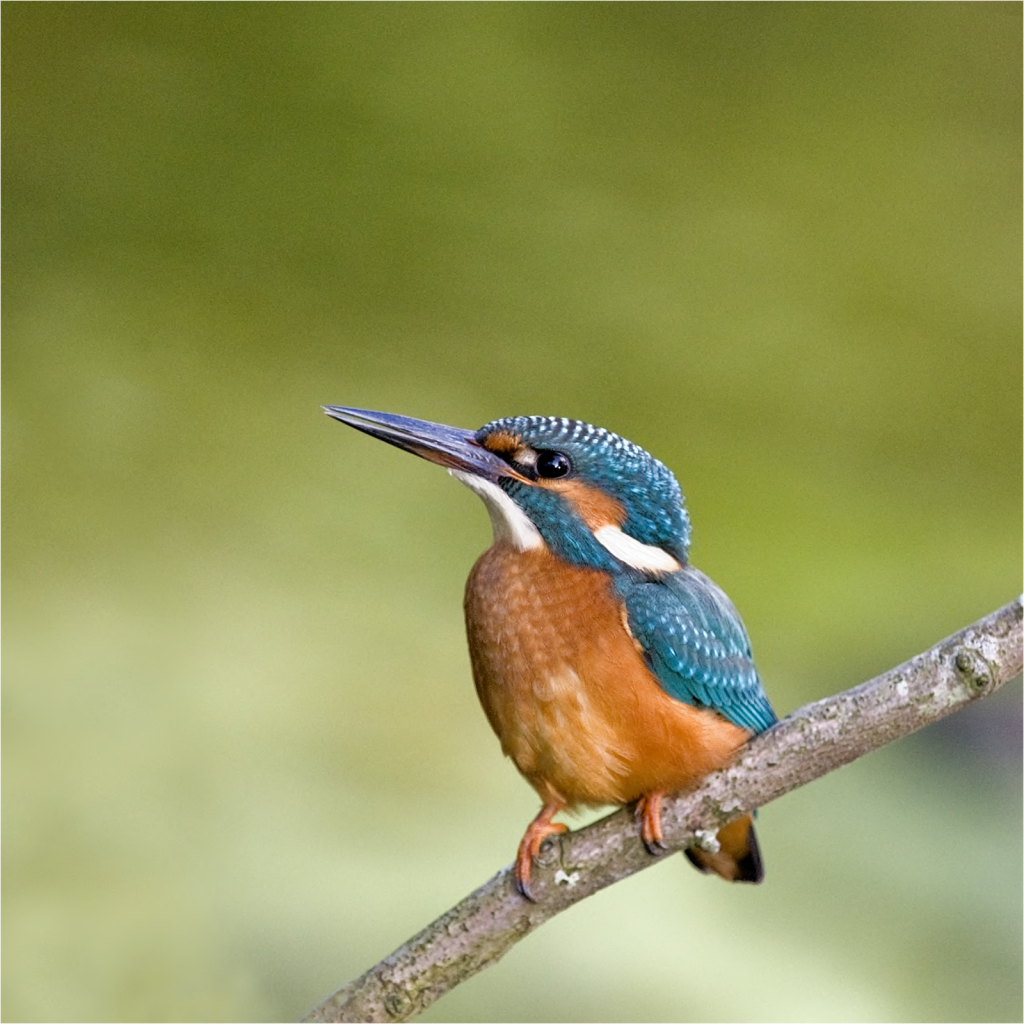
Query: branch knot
974	670
398	1004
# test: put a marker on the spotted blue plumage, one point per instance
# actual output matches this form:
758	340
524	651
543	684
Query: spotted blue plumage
695	644
692	637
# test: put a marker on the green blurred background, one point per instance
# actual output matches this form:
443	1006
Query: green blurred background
776	244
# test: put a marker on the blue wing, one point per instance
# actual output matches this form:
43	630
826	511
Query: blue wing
695	644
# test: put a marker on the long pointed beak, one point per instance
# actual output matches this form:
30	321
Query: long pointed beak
451	447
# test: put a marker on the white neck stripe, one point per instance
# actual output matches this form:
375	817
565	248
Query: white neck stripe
646	557
509	522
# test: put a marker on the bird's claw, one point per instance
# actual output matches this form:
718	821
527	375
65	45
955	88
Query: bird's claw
529	847
648	811
655	847
523	886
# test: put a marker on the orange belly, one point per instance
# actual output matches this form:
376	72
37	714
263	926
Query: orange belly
567	691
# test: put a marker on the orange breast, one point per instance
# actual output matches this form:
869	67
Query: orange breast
567	691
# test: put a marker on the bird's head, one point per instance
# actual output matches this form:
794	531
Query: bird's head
594	498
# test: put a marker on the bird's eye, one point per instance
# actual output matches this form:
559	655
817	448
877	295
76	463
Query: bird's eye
552	464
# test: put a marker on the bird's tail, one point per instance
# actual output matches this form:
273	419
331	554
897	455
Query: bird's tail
738	858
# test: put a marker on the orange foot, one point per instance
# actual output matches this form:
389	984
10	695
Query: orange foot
540	828
648	810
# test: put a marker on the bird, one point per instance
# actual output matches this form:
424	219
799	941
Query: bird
612	671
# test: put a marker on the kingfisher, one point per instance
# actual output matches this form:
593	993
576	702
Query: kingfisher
612	671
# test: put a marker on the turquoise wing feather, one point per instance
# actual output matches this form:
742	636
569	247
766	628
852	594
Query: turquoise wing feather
695	644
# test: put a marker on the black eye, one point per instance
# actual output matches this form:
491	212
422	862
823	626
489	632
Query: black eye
552	464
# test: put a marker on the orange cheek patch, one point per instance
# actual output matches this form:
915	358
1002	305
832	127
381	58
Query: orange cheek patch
595	509
503	442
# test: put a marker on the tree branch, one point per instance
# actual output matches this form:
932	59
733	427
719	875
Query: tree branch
808	744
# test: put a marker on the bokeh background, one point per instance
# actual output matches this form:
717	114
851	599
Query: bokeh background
776	244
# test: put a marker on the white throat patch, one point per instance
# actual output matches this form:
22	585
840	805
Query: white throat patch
645	557
509	522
